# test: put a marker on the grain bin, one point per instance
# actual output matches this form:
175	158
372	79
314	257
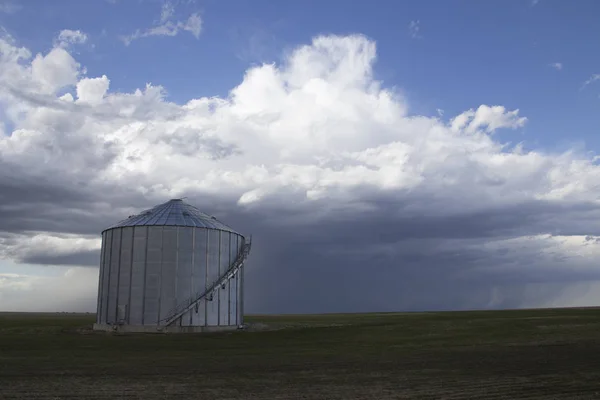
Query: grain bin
171	268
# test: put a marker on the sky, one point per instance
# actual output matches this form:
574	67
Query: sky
385	156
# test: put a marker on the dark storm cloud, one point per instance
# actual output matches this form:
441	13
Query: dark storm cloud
359	262
55	204
388	223
80	258
372	262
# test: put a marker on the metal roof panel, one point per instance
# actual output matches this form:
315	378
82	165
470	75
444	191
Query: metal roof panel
174	212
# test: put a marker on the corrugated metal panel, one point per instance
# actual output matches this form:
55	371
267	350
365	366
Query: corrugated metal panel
100	283
153	274
174	213
138	275
224	264
125	268
234	249
115	252
105	277
199	274
212	312
168	282
185	256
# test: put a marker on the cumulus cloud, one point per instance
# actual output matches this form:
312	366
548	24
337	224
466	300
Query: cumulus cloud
92	90
167	26
54	71
489	118
349	195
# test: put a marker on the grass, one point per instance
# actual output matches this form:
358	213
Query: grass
533	354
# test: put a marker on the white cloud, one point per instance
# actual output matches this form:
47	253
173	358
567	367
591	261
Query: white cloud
492	118
55	70
167	26
11	281
322	103
67	37
414	28
306	139
168	10
193	25
592	79
92	90
557	66
33	245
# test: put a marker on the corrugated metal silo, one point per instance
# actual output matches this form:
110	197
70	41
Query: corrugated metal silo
171	268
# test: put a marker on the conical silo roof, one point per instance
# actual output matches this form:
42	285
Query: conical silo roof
174	212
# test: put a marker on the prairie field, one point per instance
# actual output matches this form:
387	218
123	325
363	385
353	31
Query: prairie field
522	354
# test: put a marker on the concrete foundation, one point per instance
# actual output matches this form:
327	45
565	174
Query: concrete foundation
163	329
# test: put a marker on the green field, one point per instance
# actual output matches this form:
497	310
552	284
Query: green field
534	354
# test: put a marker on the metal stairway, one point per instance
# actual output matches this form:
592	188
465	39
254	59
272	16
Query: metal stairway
208	293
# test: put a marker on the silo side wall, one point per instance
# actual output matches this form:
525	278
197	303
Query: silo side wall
232	286
212	307
100	282
105	276
185	259
199	275
138	276
113	283
223	310
123	293
240	296
151	270
168	279
224	263
153	275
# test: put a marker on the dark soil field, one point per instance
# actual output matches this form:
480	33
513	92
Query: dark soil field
527	354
